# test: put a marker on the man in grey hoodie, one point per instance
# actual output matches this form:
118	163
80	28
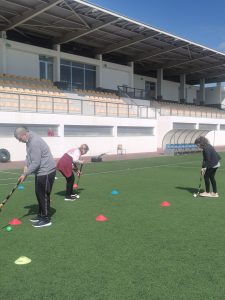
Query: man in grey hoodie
40	162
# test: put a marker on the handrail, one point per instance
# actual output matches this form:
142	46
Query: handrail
23	102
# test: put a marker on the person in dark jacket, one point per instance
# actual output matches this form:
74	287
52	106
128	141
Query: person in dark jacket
40	162
210	164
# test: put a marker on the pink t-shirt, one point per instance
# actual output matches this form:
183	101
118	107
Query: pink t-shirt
75	154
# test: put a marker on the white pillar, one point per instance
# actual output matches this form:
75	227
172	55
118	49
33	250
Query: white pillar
182	88
56	63
115	131
202	91
219	92
159	84
3	56
99	71
131	74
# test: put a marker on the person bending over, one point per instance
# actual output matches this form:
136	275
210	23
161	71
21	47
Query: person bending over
69	162
210	164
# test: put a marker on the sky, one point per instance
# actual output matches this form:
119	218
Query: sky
200	21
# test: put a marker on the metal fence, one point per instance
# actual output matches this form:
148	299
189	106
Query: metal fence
62	105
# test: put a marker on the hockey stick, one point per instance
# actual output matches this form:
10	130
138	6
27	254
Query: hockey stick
81	166
9	195
77	170
199	186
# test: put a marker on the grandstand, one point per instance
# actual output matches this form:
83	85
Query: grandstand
100	78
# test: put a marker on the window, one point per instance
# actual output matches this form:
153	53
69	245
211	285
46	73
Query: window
7	130
134	131
85	130
78	75
46	67
150	89
77	78
184	125
90	79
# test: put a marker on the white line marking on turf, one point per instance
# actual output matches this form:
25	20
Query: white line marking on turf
14	178
1	184
140	168
7	172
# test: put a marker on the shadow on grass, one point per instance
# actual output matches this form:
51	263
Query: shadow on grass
33	209
188	189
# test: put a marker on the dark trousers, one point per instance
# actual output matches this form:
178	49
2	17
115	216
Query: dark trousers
43	188
210	177
69	185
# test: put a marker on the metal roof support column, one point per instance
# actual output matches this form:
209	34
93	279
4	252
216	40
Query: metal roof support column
182	88
202	91
159	84
99	71
56	63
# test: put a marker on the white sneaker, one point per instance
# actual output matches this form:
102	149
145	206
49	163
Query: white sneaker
205	194
214	195
42	223
35	220
69	198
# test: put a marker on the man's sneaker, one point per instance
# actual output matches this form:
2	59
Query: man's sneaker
215	195
42	223
205	194
76	196
69	198
35	219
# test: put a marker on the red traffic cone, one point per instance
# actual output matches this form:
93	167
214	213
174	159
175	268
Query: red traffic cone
15	222
165	203
101	218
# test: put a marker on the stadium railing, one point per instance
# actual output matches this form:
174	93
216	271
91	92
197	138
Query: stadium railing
52	103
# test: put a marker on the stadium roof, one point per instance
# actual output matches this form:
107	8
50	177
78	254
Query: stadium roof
85	29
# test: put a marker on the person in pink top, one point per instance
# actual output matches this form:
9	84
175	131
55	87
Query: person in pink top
69	162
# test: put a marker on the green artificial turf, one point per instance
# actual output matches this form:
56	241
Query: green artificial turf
143	251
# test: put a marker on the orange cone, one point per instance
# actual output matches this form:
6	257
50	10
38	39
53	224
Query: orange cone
15	222
165	203
101	218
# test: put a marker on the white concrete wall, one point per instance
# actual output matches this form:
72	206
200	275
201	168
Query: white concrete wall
22	63
191	93
139	81
212	95
170	90
216	138
133	144
61	144
114	75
